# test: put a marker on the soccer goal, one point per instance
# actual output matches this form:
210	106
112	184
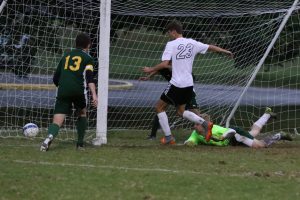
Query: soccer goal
127	35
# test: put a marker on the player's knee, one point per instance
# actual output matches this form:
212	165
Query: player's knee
258	144
59	119
180	112
159	109
160	106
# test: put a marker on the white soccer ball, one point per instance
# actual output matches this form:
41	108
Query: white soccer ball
30	130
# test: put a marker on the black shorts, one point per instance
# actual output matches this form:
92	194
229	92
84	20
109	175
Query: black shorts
193	103
177	96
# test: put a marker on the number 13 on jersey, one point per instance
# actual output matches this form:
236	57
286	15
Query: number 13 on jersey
77	61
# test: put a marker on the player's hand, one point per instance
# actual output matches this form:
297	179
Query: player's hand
147	69
230	54
95	101
144	78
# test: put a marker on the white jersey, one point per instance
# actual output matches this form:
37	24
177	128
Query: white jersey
182	52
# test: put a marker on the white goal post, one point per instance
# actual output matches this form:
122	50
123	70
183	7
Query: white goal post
129	34
103	74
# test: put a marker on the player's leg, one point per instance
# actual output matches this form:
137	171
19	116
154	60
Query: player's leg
268	140
258	144
164	122
192	105
81	126
154	128
58	120
185	95
242	132
254	143
258	125
198	120
62	107
53	130
167	97
80	103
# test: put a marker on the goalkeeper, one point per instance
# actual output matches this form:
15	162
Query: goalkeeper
234	135
192	106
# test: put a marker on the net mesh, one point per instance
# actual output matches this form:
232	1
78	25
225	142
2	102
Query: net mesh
35	34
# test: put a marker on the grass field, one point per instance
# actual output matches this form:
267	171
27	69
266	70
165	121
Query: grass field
129	167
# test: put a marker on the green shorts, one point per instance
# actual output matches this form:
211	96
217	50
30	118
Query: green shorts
241	132
64	104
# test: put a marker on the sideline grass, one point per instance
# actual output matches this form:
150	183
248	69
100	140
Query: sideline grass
129	167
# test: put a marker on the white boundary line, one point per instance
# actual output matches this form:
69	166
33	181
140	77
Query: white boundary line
108	167
160	170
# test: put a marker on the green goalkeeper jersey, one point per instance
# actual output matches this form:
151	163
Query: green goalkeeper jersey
71	72
217	132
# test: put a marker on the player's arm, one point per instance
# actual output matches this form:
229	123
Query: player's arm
156	68
90	82
146	78
56	75
217	49
166	61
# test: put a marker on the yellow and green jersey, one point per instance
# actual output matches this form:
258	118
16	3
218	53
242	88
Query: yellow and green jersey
71	71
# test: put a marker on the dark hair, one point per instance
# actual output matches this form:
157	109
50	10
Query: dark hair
83	40
174	25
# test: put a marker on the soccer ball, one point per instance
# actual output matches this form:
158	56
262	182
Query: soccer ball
30	130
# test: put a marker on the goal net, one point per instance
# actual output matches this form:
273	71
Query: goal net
34	35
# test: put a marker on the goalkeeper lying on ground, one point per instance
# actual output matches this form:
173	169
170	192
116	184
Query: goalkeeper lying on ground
234	135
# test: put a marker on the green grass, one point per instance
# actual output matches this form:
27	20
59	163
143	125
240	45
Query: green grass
129	167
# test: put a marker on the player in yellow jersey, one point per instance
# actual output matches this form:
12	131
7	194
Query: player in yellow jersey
73	75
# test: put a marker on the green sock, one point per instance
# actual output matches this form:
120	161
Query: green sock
242	132
81	126
53	130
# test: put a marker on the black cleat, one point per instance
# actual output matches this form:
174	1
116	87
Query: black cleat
80	147
285	136
151	137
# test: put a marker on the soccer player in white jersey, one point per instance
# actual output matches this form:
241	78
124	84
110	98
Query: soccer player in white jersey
181	51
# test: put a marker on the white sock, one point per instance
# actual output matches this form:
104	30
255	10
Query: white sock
164	123
192	117
243	139
262	120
